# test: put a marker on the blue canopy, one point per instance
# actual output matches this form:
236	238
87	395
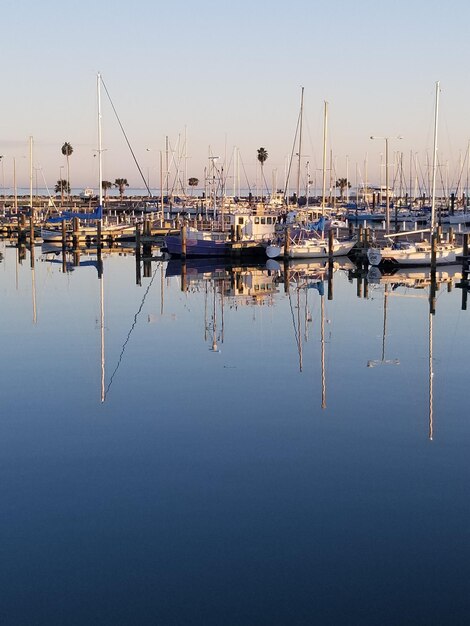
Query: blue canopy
97	214
319	225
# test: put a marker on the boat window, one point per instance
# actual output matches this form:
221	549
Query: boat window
263	220
240	221
256	220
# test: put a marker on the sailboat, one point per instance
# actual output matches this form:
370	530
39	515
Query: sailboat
423	252
309	244
311	241
87	233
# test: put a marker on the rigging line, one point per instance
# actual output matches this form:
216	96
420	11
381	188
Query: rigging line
459	179
297	337
244	171
125	137
50	197
129	333
443	186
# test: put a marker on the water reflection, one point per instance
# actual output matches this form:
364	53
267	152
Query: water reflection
242	437
304	285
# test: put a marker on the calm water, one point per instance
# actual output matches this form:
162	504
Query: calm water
263	453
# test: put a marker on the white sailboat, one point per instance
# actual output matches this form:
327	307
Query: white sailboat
86	233
303	245
311	242
419	253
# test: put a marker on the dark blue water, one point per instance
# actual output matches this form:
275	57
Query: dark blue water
263	454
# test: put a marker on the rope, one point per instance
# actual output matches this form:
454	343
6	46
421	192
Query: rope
129	333
125	136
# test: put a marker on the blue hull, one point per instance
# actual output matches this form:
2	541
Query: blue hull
196	247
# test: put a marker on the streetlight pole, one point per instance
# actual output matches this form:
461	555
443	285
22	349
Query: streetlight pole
387	195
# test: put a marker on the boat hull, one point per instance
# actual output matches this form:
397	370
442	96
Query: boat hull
445	255
311	250
196	247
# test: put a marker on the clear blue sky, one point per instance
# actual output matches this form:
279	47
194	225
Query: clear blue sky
230	74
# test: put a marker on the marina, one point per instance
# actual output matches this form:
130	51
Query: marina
235	278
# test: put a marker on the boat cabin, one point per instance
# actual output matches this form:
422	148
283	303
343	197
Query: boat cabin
248	226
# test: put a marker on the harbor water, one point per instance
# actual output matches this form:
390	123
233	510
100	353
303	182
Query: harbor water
204	444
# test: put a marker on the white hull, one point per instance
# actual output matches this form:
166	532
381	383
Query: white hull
419	254
84	234
311	249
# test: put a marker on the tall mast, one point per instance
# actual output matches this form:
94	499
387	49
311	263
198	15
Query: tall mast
100	206
100	166
31	174
434	160
300	142
325	116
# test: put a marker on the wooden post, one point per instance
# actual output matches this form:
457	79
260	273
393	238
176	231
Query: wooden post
184	281
31	255
64	235
20	219
432	291
99	261
286	242
451	235
330	245
183	240
330	278
31	231
98	235
465	246
147	259
434	238
359	287
75	228
138	279
286	275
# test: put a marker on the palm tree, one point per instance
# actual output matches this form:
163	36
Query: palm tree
342	184
67	151
121	184
193	182
262	157
105	186
62	187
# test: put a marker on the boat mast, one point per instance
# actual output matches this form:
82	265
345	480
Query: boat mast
323	376
300	142
325	116
100	206
31	175
434	160
100	167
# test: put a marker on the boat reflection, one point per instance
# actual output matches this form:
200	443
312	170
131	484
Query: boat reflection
241	284
416	278
427	279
